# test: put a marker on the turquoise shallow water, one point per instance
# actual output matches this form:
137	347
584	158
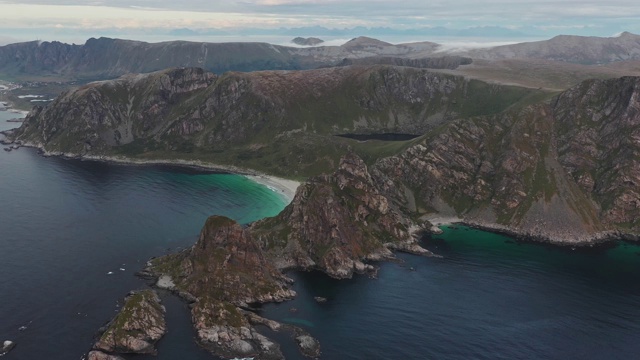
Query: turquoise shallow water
65	223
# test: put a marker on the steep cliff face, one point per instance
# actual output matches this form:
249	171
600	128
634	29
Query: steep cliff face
98	117
599	130
225	269
334	223
225	264
500	170
565	171
137	327
36	57
283	120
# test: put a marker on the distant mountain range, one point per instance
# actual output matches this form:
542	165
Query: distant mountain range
106	58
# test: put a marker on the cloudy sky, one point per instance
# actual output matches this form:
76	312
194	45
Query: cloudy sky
46	19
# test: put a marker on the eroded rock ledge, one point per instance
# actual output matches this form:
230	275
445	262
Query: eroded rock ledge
135	330
222	273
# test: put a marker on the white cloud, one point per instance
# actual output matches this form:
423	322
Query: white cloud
544	15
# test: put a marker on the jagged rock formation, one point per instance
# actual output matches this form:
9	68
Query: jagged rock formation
99	355
334	223
225	264
256	119
225	270
564	171
137	327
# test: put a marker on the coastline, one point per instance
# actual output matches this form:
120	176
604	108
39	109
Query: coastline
568	239
286	188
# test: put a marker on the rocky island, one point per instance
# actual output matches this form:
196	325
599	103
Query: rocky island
139	324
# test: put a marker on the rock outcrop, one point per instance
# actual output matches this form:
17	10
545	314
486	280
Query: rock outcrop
334	223
137	327
562	171
99	355
225	270
7	346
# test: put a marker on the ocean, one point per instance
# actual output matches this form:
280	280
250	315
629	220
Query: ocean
65	224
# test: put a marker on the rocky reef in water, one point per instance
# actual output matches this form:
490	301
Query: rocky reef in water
222	275
135	329
231	267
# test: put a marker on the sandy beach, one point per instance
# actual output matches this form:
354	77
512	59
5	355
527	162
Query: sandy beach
287	188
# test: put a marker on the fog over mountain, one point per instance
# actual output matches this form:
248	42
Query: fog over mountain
164	20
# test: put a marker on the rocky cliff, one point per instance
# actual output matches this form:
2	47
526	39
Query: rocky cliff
224	271
560	169
137	327
563	171
334	223
280	122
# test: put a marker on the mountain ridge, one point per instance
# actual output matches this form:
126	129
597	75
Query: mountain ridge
533	164
106	58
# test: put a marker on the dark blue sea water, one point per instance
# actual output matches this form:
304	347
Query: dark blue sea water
64	224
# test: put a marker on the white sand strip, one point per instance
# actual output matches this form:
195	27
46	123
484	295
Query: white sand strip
287	188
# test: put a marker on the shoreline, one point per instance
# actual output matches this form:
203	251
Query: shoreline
286	188
599	239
